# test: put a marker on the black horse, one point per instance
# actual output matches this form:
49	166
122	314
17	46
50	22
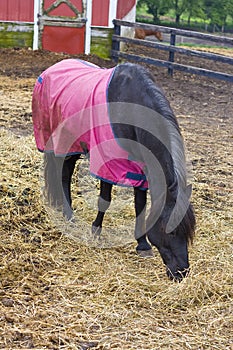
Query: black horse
145	126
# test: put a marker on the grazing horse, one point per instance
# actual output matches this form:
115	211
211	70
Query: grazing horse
142	33
123	122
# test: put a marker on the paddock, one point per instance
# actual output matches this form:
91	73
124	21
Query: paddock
58	293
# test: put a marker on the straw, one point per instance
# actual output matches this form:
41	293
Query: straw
59	291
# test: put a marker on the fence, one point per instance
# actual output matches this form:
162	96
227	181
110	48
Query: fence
172	49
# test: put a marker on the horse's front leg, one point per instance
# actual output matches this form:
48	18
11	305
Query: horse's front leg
103	204
143	248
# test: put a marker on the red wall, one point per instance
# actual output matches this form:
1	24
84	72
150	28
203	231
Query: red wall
123	7
17	10
63	9
100	11
63	39
22	10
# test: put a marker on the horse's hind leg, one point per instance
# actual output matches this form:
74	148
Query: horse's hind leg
58	173
53	184
103	204
143	248
67	172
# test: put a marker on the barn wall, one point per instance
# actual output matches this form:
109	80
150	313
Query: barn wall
17	10
100	13
62	38
124	7
20	34
101	37
63	8
130	17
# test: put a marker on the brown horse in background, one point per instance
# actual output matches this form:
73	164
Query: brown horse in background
142	33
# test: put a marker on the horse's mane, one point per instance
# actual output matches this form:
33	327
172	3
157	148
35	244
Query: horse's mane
159	103
187	226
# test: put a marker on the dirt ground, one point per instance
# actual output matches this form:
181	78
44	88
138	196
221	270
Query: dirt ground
52	296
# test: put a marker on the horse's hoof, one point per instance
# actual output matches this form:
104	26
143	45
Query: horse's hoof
96	230
72	220
145	253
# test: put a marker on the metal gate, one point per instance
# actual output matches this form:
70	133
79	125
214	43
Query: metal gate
62	26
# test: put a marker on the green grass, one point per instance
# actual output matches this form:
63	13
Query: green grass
100	49
204	46
142	11
101	46
16	39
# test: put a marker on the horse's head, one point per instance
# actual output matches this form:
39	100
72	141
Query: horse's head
171	234
158	35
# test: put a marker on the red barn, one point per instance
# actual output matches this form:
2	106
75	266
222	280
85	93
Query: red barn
63	25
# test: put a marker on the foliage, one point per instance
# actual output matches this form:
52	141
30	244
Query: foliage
215	11
195	8
156	8
179	6
218	10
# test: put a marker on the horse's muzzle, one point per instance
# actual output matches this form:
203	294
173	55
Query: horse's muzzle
178	275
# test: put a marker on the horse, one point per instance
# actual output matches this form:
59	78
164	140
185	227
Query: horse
142	147
142	33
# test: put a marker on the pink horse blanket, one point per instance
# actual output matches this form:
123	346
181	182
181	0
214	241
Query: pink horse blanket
70	113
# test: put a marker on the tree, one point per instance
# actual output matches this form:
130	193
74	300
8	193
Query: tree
195	8
218	10
179	7
156	8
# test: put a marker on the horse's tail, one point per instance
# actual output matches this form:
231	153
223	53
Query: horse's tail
53	190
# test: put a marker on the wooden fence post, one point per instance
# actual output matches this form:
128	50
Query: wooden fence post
172	53
115	43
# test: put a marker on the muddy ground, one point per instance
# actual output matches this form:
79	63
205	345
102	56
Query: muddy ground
112	312
191	95
203	106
